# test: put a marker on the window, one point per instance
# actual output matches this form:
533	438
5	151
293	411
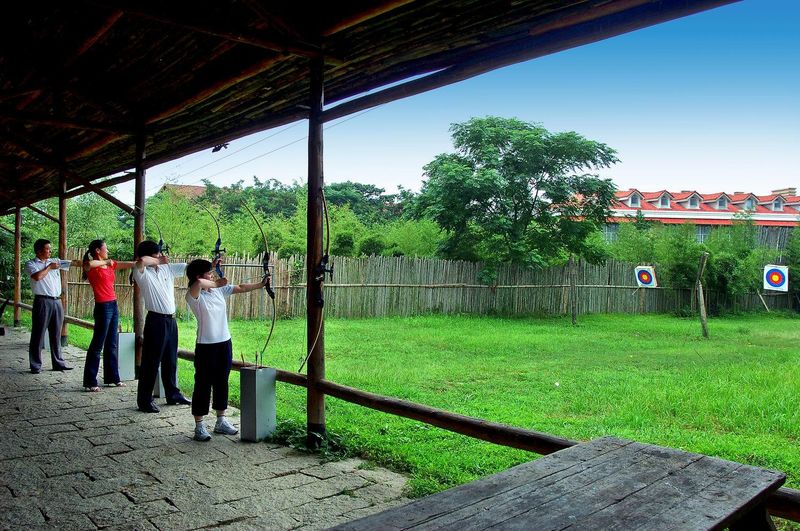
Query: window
634	201
664	203
722	203
703	232
693	202
777	205
749	204
611	232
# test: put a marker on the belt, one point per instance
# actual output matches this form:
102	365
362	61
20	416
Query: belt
46	297
164	315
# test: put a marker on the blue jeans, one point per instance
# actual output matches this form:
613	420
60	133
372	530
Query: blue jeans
106	325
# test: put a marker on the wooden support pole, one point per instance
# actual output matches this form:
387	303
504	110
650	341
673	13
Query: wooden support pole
573	289
701	301
62	251
17	259
138	236
315	332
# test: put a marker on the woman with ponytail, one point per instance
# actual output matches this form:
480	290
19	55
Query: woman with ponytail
99	270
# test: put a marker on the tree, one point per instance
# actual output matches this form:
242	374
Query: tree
515	192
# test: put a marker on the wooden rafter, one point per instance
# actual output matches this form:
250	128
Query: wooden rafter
238	35
43	213
80	190
363	16
59	121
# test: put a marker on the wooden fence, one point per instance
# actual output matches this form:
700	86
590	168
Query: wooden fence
402	286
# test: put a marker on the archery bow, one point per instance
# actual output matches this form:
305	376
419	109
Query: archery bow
320	271
162	247
217	250
267	278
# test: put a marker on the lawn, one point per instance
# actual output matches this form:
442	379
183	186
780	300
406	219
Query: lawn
651	378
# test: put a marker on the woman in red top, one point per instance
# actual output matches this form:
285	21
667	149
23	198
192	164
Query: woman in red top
99	270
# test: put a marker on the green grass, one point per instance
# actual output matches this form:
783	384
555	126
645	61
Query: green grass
651	378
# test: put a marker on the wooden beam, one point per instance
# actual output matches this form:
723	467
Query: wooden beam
216	88
63	122
10	231
315	329
532	441
237	35
43	213
363	16
80	190
102	193
17	265
62	251
138	237
492	58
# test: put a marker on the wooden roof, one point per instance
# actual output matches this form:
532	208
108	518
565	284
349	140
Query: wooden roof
79	80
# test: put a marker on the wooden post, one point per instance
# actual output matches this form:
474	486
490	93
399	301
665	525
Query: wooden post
138	236
315	332
17	259
701	301
62	251
573	289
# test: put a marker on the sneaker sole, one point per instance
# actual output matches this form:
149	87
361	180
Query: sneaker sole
226	432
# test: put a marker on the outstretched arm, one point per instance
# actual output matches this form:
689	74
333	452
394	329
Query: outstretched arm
202	283
244	288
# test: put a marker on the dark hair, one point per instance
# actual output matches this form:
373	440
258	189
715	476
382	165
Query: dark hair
38	245
146	248
196	268
91	253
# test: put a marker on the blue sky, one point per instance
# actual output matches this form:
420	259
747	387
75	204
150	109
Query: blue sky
708	102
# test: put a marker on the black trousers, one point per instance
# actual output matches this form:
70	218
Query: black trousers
212	367
159	347
47	316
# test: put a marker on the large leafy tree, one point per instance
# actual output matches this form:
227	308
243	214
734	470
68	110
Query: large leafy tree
515	192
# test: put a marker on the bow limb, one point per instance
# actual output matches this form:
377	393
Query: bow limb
217	245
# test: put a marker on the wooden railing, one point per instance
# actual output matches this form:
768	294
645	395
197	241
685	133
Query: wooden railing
784	503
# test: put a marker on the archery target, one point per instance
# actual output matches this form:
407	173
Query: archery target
776	278
646	277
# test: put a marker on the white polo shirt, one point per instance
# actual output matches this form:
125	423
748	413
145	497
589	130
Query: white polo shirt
50	285
158	286
212	314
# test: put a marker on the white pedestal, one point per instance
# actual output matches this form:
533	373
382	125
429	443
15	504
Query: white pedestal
126	352
257	387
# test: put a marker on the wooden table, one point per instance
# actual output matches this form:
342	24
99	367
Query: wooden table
607	483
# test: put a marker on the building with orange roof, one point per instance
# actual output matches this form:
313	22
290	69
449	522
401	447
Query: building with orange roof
776	214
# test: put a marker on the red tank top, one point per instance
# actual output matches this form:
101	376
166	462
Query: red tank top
102	282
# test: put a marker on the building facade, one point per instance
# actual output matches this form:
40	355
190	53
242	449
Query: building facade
775	214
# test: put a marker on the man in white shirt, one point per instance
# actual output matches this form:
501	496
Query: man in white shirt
155	277
47	313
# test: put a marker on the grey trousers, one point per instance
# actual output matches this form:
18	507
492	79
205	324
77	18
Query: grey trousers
47	315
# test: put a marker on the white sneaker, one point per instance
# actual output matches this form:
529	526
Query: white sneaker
201	433
224	427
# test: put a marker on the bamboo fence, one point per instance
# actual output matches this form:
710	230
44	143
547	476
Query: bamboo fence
403	286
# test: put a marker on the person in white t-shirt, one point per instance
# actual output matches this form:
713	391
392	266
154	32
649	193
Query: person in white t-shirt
213	352
155	277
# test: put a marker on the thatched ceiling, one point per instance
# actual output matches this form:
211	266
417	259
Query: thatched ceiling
79	80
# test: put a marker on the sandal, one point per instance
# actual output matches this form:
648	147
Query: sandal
117	384
94	389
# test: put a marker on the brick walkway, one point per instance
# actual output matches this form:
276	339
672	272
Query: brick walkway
70	459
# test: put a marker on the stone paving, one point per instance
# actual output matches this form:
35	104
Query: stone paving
70	459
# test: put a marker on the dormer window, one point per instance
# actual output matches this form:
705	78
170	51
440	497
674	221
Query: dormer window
693	202
749	204
722	203
664	202
634	201
777	205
